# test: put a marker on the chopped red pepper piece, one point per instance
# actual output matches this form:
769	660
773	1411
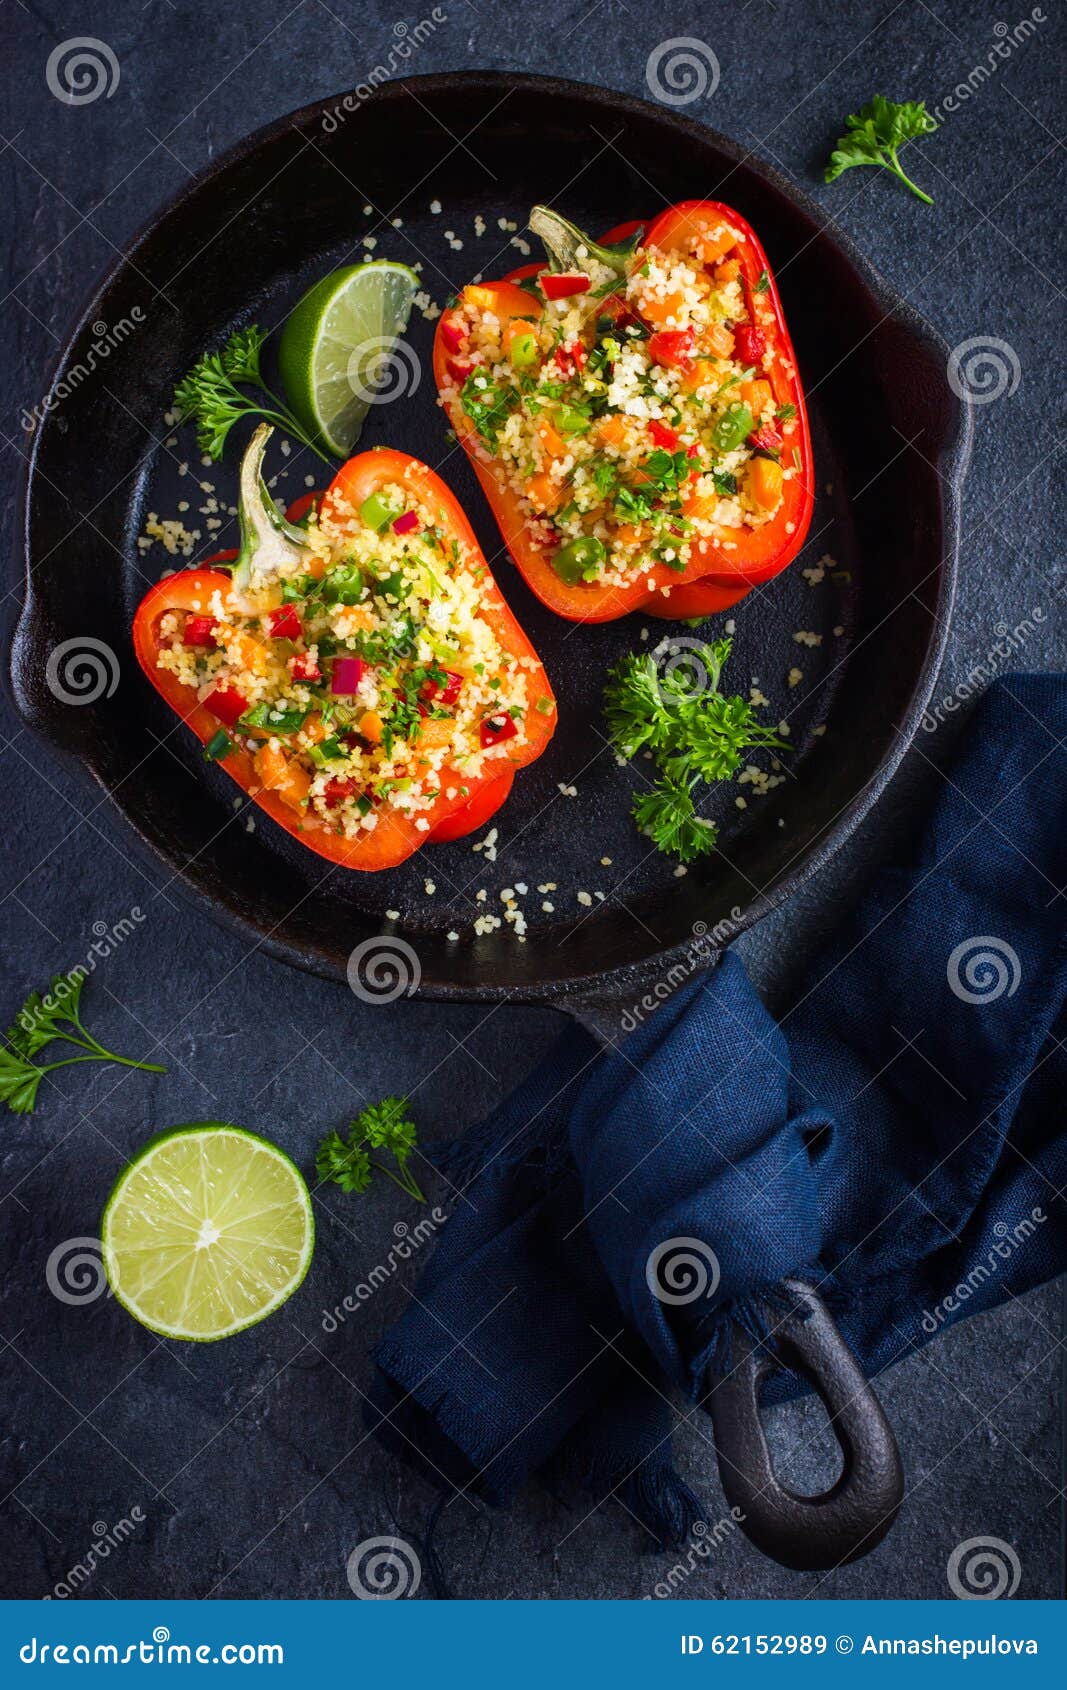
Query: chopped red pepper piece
435	693
200	630
750	343
459	368
453	332
340	788
304	668
562	287
663	436
766	439
227	704
284	623
673	348
496	729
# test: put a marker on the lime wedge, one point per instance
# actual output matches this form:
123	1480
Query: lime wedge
338	352
207	1231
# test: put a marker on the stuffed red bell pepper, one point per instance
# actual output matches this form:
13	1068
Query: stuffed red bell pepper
361	678
635	415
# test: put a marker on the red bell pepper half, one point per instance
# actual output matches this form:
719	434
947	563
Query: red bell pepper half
395	836
719	573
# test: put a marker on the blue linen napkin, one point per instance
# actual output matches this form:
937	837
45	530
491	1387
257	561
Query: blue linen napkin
899	1140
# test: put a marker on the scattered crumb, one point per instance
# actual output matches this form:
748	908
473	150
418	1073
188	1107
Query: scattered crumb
838	631
428	886
435	208
452	935
680	871
568	791
547	907
584	898
805	636
794	677
731	626
605	862
392	915
741	803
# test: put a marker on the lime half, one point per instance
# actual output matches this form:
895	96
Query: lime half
338	354
207	1231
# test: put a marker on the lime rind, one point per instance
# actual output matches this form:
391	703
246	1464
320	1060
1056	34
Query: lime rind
356	313
169	1212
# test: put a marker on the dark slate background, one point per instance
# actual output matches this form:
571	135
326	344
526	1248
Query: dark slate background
241	1468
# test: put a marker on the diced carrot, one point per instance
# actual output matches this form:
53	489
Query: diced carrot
701	504
544	493
513	328
612	431
701	372
757	395
714	245
313	730
316	566
719	339
632	534
482	299
244	651
727	271
765	482
371	727
660	311
433	734
552	442
281	775
358	616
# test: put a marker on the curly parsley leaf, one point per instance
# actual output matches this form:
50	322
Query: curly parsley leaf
212	395
43	1020
384	1126
674	710
874	135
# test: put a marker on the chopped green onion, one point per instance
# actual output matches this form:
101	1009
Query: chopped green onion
378	512
218	746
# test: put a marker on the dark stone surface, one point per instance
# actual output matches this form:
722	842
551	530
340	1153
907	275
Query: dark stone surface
248	1461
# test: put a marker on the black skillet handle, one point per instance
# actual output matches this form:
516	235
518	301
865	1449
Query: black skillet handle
808	1533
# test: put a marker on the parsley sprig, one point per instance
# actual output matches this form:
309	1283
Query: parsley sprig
874	135
383	1126
41	1021
213	394
693	732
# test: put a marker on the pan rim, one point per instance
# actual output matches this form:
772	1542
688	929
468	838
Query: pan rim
953	459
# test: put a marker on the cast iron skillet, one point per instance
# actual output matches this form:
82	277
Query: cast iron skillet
241	242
